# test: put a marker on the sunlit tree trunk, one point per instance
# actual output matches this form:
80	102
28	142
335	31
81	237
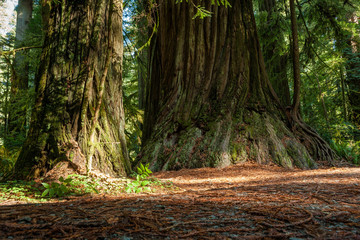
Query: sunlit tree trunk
209	100
78	118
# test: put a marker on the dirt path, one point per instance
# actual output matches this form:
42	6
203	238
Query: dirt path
239	202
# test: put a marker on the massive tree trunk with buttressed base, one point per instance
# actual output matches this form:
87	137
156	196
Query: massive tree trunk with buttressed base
78	119
209	100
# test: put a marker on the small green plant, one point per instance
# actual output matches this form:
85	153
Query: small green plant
57	189
141	184
138	185
144	171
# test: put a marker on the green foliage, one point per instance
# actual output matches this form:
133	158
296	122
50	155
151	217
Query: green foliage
327	64
342	141
5	166
55	189
20	191
201	11
144	171
135	30
72	185
141	184
348	151
15	110
82	184
7	161
138	186
77	185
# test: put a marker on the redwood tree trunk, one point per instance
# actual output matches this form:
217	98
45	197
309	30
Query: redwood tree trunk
78	118
209	101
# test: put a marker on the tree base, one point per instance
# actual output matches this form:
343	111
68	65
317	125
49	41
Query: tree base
259	136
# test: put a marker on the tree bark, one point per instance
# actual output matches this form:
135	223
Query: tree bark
78	118
209	100
296	58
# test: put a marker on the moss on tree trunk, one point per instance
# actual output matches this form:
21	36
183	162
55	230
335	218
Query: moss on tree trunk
209	101
78	115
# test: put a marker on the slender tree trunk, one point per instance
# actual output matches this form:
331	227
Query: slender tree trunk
296	58
313	142
343	96
78	118
209	101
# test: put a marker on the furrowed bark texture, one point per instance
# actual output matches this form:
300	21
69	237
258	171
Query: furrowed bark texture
209	101
78	117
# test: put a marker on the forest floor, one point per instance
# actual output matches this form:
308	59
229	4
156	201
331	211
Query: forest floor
245	201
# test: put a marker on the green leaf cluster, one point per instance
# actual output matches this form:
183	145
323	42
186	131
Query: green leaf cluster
55	189
141	184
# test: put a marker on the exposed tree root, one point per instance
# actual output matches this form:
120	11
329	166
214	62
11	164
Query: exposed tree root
316	146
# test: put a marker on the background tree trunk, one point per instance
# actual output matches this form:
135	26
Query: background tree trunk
209	101
78	118
296	58
317	147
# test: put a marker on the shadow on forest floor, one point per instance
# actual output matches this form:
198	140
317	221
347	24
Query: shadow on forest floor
239	202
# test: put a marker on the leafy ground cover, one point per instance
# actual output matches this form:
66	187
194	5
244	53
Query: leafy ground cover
57	186
239	202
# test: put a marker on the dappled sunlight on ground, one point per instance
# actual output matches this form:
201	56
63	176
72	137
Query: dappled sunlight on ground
240	202
253	175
